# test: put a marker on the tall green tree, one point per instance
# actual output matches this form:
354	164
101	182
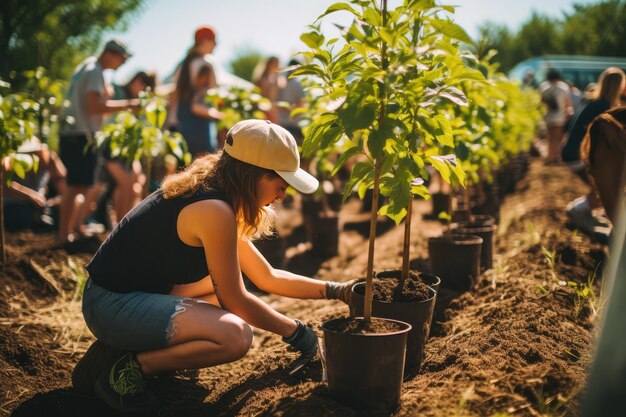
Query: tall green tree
56	34
597	29
590	29
244	63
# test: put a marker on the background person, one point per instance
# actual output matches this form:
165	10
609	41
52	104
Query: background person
555	95
26	202
611	84
119	180
269	81
196	57
292	93
196	120
88	102
166	289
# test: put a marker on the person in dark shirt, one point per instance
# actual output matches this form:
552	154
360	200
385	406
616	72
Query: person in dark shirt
165	290
611	84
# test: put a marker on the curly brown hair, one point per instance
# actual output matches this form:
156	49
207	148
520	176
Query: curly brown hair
236	179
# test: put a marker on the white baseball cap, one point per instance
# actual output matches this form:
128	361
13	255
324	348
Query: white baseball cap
270	146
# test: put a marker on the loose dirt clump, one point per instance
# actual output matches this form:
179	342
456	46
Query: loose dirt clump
375	326
386	289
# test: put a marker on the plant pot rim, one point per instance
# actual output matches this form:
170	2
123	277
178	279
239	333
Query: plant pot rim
458	239
469	230
431	292
406	327
414	270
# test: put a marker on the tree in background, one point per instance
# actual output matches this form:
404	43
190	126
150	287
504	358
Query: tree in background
597	29
244	63
56	34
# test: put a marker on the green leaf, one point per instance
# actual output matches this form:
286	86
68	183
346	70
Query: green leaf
420	190
357	117
390	211
343	158
339	6
310	69
373	17
455	95
377	140
312	39
451	29
441	167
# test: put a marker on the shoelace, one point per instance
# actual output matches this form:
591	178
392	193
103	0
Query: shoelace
129	378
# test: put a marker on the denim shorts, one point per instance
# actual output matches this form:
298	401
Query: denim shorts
135	321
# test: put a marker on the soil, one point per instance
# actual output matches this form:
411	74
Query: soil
359	326
518	343
386	289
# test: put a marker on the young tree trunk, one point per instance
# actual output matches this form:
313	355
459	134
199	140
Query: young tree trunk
367	308
406	246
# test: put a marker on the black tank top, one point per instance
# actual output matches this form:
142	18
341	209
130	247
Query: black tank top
144	252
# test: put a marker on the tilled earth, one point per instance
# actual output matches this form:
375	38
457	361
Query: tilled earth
518	343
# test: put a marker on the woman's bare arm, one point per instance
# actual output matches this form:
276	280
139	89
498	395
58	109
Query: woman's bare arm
277	281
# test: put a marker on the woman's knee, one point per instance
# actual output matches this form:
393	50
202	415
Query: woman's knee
237	338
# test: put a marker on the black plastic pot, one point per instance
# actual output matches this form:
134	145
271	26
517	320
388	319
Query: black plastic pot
418	314
456	261
486	232
479	220
433	281
461	215
324	235
334	201
273	249
365	370
441	203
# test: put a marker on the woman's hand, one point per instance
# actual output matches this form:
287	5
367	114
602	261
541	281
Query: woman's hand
303	340
341	290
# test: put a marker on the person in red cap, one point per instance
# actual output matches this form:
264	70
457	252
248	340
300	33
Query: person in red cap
197	127
165	290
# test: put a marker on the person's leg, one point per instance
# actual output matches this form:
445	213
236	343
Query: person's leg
555	136
80	161
124	181
87	207
67	211
200	336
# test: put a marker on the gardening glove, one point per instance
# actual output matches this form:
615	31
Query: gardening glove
303	340
341	290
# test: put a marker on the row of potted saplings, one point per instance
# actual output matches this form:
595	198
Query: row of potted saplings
321	214
366	369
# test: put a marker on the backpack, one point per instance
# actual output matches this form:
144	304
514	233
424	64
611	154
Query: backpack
550	100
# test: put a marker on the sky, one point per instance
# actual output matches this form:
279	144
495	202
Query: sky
161	33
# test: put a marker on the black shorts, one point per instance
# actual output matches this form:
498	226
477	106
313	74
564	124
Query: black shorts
80	159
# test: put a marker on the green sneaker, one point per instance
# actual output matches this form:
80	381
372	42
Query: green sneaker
97	360
123	387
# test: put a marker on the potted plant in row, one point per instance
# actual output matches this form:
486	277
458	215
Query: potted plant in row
141	137
389	78
18	124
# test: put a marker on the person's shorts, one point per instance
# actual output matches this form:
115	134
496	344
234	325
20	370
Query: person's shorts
79	157
136	321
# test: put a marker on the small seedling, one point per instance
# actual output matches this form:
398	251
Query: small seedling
584	295
79	276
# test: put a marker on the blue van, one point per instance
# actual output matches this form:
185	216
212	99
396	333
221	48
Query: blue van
580	69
